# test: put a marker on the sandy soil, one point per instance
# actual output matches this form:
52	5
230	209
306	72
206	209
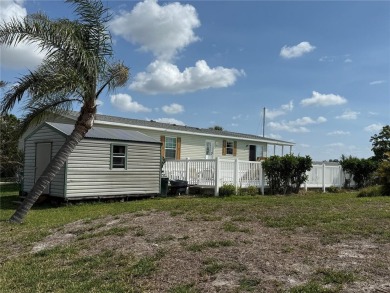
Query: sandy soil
270	259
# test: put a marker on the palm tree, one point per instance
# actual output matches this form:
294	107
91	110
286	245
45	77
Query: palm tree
77	68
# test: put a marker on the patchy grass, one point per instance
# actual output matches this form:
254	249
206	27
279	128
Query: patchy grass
196	242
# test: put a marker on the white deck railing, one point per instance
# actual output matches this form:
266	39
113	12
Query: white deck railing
217	172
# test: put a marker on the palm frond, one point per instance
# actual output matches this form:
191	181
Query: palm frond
41	110
115	76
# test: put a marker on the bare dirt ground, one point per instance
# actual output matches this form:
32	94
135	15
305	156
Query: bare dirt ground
245	255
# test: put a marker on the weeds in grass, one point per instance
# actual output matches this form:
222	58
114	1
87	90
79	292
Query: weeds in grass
231	227
115	231
212	267
146	265
312	287
329	276
184	288
249	284
209	244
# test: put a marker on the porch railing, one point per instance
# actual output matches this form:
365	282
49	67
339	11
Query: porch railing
217	172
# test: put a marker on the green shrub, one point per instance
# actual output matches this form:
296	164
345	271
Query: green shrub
362	170
227	190
333	189
370	191
383	173
286	174
250	190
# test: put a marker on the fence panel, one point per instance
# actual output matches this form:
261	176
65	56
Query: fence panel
244	173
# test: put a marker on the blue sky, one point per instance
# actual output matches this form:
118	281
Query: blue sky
320	68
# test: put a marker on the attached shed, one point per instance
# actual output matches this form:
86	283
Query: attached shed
106	163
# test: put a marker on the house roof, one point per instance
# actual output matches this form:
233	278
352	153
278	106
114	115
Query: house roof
150	124
105	133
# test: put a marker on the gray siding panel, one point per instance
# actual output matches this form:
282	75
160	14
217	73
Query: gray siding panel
44	134
89	173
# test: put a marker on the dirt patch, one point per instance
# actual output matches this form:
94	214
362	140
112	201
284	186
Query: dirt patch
223	255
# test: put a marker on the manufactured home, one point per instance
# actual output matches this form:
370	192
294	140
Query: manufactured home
182	142
108	162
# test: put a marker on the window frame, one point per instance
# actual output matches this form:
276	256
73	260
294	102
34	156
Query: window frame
229	148
170	149
112	156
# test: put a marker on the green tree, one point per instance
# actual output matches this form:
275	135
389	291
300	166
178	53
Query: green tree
383	173
10	157
361	170
77	68
381	143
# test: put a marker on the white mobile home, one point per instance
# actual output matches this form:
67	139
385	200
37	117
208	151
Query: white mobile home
107	162
181	142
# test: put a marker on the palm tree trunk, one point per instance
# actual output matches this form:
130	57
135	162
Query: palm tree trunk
81	128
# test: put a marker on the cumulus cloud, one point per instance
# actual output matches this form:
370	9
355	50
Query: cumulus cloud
173	109
297	125
23	55
376	127
318	99
170	121
296	51
274	136
273	113
348	115
124	102
165	77
338	132
163	30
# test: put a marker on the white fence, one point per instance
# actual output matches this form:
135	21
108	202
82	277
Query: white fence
217	172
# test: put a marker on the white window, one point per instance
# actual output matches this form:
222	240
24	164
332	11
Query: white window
229	147
170	147
118	156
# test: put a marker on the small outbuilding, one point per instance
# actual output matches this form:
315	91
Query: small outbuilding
108	162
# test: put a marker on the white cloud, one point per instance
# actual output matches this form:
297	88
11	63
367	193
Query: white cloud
318	99
23	55
296	51
326	59
234	124
336	145
170	121
348	60
375	82
376	127
304	145
284	126
173	109
338	132
124	102
273	113
297	125
237	117
348	115
274	136
164	77
163	30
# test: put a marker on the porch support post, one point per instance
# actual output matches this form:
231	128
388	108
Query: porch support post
262	177
290	149
216	178
323	177
340	176
274	149
282	150
187	174
236	174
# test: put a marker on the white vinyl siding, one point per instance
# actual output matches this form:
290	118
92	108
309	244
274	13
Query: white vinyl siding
90	175
44	134
193	146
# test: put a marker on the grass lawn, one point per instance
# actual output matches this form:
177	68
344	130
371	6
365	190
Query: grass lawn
306	243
